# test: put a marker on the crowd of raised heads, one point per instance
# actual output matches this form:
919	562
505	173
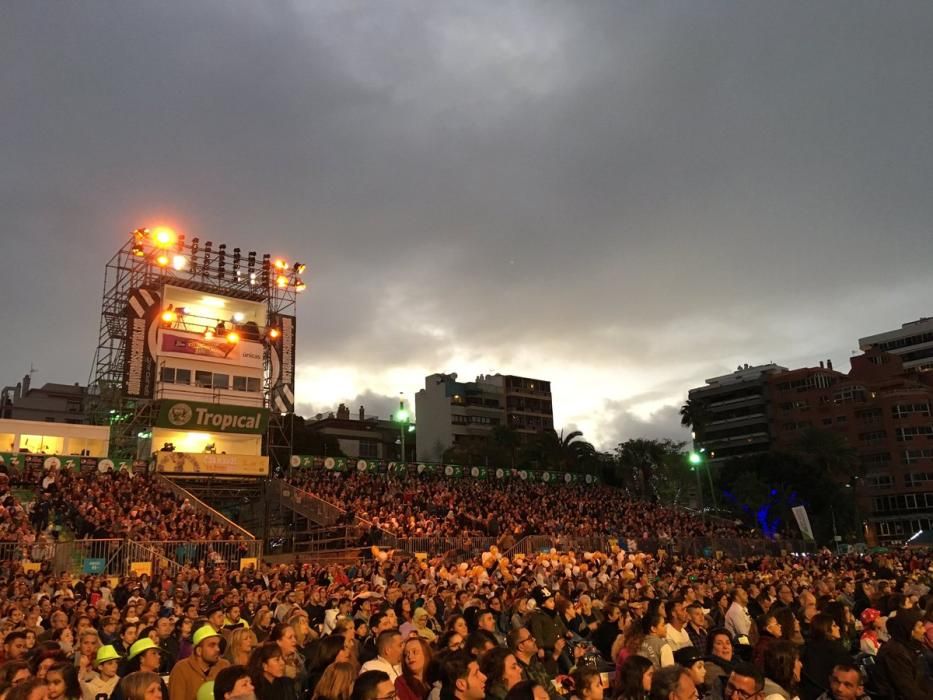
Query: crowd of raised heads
100	505
588	625
424	506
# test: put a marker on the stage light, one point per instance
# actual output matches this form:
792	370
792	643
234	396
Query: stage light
299	268
181	243
300	286
266	265
162	260
233	337
208	334
281	281
236	262
239	317
163	237
221	261
179	262
274	333
138	251
205	265
252	278
280	264
195	246
251	262
169	316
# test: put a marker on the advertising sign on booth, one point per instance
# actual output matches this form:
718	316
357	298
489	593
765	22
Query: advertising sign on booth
247	562
141	567
212	418
191	463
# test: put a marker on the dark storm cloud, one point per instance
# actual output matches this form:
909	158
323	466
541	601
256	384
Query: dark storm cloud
663	189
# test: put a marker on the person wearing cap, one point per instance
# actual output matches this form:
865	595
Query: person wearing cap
901	669
146	656
547	628
203	665
103	682
872	624
692	660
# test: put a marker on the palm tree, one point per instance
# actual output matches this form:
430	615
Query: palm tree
693	415
506	438
641	458
574	450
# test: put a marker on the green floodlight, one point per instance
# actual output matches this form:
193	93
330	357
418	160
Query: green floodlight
694	458
402	415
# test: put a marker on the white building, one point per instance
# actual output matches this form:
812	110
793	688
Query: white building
912	342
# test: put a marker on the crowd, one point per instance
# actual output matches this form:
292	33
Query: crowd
588	625
425	506
100	505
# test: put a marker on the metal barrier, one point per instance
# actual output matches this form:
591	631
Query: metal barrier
201	507
433	546
329	539
306	503
227	552
736	547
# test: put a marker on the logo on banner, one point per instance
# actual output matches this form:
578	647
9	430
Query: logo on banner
180	414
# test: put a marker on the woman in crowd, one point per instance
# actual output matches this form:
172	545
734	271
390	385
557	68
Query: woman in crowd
283	635
634	678
527	690
822	651
62	679
141	685
322	654
790	626
586	684
240	645
262	624
655	646
781	665
336	682
720	659
414	683
769	631
692	660
501	670
267	671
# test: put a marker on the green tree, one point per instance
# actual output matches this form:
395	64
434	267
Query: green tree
828	452
693	415
508	440
652	467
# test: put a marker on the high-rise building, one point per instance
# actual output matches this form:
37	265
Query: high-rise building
450	412
884	413
734	409
912	342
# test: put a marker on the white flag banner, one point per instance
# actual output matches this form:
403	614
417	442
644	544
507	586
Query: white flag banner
803	521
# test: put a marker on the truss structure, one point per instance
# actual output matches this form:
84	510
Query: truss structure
187	265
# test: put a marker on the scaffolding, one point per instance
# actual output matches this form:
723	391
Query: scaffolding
205	269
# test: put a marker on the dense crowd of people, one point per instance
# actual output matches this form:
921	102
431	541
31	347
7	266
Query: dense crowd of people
424	506
101	505
589	625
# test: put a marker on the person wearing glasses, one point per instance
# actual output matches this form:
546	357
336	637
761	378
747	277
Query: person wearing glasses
523	645
673	683
745	682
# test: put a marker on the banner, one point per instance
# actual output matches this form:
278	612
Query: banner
283	365
93	565
141	567
803	522
243	353
189	463
31	566
139	365
212	418
247	562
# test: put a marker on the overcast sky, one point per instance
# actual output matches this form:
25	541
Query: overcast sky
624	198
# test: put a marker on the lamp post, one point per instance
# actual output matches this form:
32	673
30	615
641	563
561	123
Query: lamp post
403	417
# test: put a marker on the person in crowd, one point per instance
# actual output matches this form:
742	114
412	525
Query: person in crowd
203	665
234	683
586	684
846	683
267	672
336	683
697	625
655	646
720	658
141	685
745	682
675	629
502	672
672	683
782	666
527	690
105	679
737	620
769	631
872	629
461	677
902	673
414	682
62	680
821	653
633	679
690	659
373	685
31	689
388	655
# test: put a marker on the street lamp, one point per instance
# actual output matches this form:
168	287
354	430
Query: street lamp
403	417
696	459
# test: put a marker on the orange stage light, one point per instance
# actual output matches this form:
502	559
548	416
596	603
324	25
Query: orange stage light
233	337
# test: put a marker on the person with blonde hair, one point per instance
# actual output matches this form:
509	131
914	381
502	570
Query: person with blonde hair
240	645
336	682
141	685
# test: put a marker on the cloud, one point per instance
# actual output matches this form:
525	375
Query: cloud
622	199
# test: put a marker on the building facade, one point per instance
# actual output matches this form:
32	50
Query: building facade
52	403
884	412
912	342
363	437
451	412
736	413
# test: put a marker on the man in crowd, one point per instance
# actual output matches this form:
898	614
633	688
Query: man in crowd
203	665
389	655
677	635
462	678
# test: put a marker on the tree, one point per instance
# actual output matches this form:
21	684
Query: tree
828	452
693	415
507	439
652	466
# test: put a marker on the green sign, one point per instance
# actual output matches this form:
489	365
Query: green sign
212	418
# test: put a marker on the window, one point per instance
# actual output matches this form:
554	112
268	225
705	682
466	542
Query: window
239	383
911	456
168	375
873	437
902	410
202	379
182	376
849	394
880	481
221	381
917	478
252	385
841	419
369	449
74	406
909	433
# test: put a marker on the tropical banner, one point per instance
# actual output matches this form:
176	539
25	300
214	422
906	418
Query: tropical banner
454	471
212	418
